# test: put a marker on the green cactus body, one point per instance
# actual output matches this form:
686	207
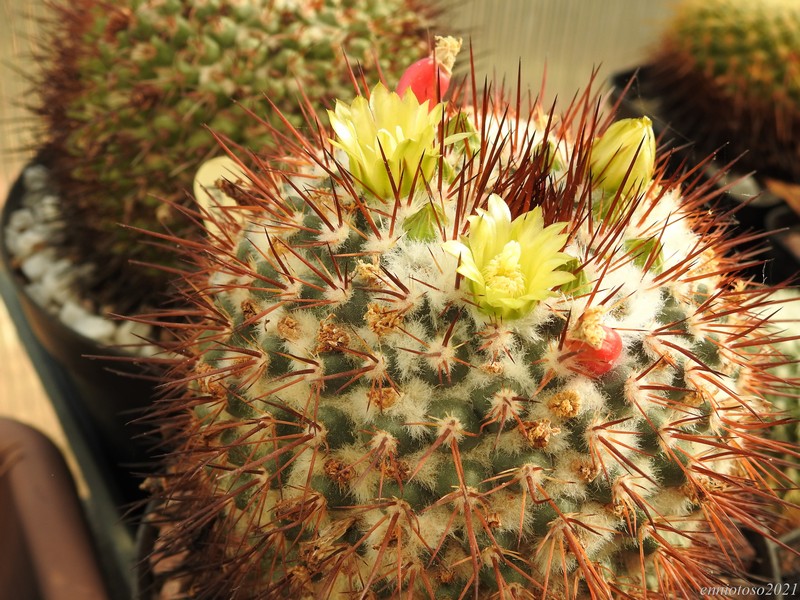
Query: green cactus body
365	420
728	72
126	94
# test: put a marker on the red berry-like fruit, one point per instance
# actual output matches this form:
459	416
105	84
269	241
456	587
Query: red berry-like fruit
597	361
422	77
429	75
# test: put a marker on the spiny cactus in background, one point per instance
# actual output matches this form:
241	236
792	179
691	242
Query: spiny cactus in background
787	321
126	90
488	368
728	73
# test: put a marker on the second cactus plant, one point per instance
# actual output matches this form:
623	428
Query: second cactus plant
125	94
727	73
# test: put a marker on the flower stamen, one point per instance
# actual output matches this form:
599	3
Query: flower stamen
504	273
511	265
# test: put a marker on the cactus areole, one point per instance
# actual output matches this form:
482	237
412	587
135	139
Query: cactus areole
451	377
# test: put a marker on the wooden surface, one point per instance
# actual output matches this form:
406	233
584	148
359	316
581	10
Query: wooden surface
21	393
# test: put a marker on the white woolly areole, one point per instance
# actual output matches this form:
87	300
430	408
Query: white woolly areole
338	295
598	531
629	489
409	349
336	237
413	407
612	446
222	280
512	511
424	267
673	503
565	479
305	343
382	242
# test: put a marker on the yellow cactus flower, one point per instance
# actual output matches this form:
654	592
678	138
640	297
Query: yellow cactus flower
401	130
626	142
511	265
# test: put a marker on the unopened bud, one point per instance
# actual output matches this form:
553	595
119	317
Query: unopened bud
624	157
424	225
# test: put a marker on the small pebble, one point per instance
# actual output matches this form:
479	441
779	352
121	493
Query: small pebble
39	296
36	178
149	350
72	311
95	328
86	324
29	242
32	238
36	265
20	220
48	210
130	333
58	280
11	239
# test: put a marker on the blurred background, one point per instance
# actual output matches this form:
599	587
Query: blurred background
21	394
568	38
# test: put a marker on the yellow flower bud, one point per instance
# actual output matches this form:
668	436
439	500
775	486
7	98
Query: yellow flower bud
511	265
628	145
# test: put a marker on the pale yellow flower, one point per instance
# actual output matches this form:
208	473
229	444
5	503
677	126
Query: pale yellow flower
401	130
626	142
511	265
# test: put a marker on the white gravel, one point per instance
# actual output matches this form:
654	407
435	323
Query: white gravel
32	237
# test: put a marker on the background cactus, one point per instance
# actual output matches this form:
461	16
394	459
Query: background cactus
728	73
788	322
125	93
503	381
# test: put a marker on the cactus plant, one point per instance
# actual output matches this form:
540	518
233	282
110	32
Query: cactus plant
125	93
787	322
505	374
728	74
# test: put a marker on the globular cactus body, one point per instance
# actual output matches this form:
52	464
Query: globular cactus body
728	75
127	91
501	380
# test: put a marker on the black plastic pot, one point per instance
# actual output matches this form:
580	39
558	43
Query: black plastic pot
776	569
104	395
785	222
46	548
159	575
146	583
634	90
